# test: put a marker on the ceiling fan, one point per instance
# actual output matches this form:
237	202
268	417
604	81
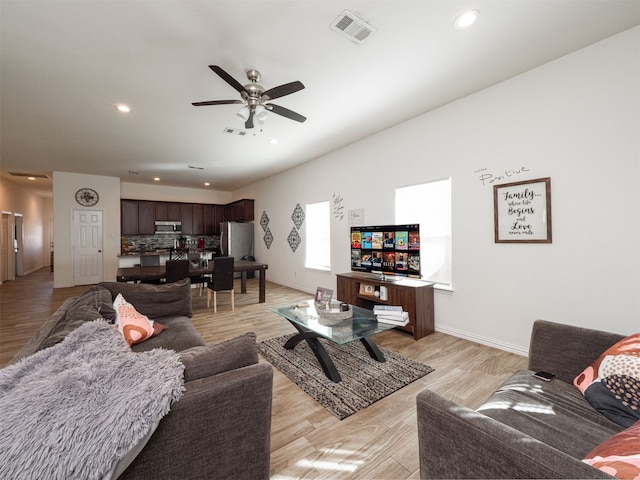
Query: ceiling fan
255	98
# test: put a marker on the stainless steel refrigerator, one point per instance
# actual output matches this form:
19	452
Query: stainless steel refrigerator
236	239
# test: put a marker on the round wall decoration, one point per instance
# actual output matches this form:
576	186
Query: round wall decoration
87	197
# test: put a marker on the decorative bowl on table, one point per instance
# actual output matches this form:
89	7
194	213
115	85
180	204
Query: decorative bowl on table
333	316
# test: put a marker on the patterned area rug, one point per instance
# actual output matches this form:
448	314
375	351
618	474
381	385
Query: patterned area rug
364	380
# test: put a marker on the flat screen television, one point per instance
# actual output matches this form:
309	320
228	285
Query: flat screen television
386	249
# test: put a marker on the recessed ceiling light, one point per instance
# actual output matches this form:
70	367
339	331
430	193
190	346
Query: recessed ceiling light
123	108
466	19
157	179
273	141
206	184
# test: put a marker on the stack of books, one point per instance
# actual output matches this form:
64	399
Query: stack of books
392	314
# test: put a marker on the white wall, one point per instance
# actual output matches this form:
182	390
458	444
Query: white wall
35	211
576	120
137	191
65	186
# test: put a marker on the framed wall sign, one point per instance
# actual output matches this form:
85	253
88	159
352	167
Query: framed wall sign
522	211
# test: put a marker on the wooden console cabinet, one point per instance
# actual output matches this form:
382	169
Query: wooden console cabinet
415	297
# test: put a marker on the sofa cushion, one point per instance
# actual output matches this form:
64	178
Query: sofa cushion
95	303
204	361
134	327
155	301
619	455
180	335
612	382
552	412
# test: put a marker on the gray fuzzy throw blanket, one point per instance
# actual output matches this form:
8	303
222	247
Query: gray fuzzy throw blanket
72	411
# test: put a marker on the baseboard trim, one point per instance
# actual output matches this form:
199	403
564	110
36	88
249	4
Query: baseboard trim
484	341
507	347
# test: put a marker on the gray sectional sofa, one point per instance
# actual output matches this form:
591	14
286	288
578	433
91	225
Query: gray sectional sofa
221	426
528	428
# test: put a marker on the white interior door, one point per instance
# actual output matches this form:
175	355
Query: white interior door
87	247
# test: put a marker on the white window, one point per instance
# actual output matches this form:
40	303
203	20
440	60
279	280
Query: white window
429	204
318	236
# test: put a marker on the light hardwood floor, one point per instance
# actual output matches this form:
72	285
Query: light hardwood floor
379	442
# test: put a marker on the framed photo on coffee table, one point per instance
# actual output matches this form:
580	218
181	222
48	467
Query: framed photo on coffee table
323	295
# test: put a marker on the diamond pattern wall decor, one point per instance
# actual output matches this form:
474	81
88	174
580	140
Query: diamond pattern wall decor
297	216
264	221
294	239
268	238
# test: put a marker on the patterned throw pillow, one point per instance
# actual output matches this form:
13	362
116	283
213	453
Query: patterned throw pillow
619	455
611	384
134	326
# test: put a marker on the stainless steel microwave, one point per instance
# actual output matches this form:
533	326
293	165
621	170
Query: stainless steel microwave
168	227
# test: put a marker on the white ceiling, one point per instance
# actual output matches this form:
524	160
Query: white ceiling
66	64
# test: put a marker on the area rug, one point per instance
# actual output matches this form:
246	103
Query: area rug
364	380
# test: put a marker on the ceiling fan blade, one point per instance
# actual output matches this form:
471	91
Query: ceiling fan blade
249	122
216	102
285	112
282	90
229	79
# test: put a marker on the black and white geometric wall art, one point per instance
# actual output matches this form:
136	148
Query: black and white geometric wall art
264	221
268	238
294	239
298	216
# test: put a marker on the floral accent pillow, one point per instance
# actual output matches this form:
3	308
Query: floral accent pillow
619	455
134	327
611	384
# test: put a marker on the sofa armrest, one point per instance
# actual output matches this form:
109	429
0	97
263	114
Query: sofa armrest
201	362
456	442
220	428
566	350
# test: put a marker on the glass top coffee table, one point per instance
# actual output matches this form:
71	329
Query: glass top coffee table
312	324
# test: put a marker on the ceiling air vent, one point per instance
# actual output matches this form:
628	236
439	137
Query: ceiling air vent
34	175
235	131
352	27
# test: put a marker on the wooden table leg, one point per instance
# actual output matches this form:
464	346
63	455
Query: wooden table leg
243	282
263	285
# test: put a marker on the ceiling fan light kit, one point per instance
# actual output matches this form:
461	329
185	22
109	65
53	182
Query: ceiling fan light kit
255	98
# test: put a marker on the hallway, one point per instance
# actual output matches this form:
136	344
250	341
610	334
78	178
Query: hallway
25	304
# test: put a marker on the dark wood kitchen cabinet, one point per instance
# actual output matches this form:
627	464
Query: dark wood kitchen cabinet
168	211
198	219
137	217
240	210
186	217
213	215
146	218
129	217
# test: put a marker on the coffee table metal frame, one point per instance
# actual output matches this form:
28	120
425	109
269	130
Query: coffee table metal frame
311	326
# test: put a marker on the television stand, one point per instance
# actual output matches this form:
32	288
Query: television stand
415	297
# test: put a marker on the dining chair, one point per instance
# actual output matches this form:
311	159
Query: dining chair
178	253
176	270
194	259
150	261
222	281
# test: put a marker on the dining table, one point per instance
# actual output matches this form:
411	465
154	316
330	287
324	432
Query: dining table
159	272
